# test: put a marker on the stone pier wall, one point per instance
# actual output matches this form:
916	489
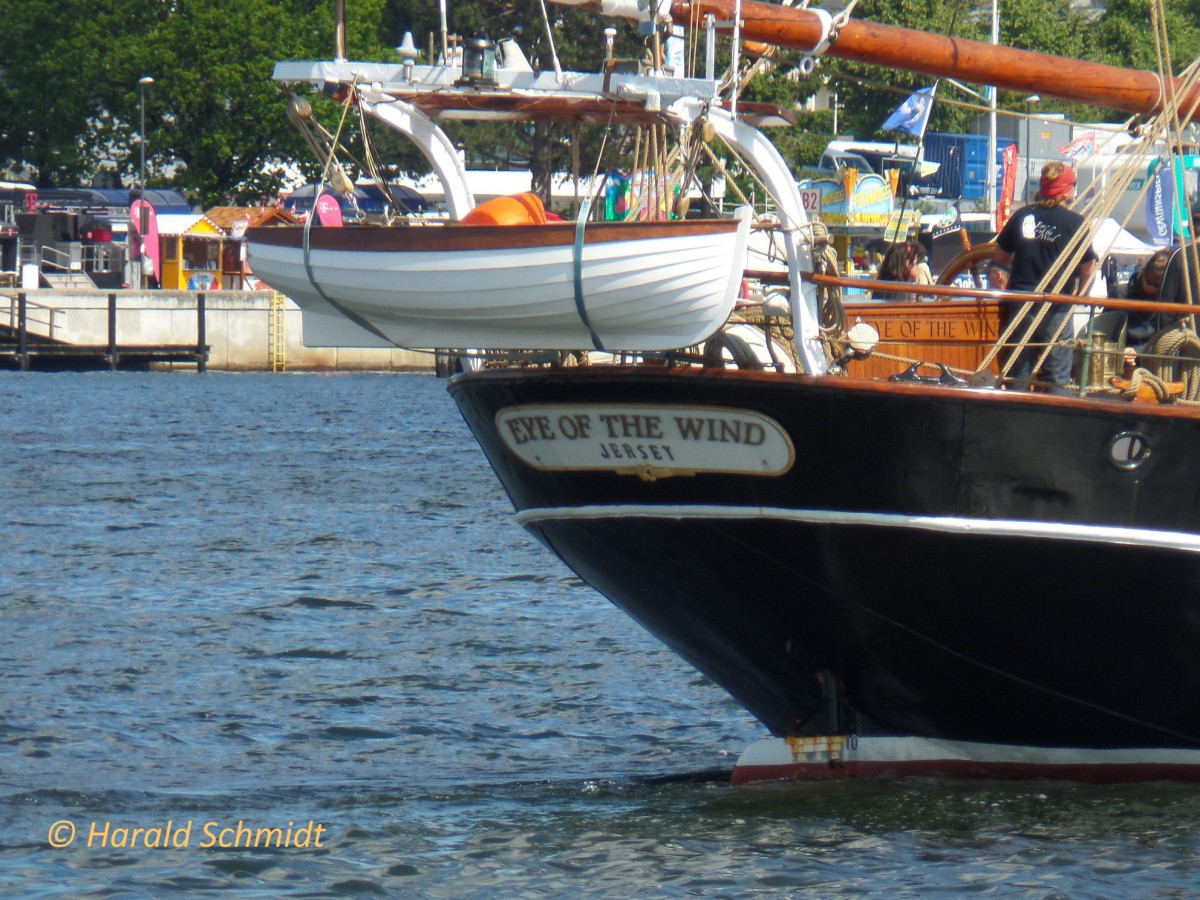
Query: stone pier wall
237	325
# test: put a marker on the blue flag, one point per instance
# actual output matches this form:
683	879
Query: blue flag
912	115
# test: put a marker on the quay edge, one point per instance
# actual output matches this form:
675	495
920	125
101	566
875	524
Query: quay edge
239	328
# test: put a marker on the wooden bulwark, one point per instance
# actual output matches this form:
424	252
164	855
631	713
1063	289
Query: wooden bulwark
958	334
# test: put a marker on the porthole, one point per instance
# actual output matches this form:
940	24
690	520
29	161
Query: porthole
1129	450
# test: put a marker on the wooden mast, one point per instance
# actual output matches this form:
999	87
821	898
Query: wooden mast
1108	87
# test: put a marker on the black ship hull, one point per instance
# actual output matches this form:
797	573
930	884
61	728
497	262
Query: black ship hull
866	560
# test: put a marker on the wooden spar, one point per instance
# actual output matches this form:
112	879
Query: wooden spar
1104	86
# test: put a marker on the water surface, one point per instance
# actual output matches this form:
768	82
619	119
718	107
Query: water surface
273	599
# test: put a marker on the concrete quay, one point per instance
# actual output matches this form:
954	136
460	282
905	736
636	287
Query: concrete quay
242	331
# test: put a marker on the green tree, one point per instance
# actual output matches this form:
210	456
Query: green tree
218	109
870	94
51	56
215	122
578	45
1123	36
216	127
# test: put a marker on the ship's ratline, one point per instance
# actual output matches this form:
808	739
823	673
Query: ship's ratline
994	571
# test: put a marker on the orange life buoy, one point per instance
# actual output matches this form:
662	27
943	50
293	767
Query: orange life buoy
517	209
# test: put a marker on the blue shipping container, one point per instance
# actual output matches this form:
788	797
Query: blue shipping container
963	159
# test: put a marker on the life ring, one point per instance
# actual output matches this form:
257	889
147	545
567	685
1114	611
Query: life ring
739	352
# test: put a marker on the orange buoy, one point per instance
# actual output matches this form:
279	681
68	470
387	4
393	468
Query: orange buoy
516	209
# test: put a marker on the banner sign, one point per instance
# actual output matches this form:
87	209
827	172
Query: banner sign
1160	207
855	200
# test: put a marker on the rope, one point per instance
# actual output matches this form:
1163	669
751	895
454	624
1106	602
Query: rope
1171	109
1172	349
1146	378
371	160
1095	205
831	313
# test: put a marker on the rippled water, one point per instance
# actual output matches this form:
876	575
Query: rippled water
282	599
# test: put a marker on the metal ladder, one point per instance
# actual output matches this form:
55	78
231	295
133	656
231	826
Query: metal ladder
277	333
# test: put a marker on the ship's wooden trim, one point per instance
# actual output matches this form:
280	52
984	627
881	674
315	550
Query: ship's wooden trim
431	238
957	334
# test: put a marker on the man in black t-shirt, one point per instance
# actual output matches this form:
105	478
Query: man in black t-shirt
1030	244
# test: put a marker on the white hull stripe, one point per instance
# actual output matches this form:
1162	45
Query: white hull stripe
782	751
1098	534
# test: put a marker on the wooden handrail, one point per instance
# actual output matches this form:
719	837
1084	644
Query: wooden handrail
951	292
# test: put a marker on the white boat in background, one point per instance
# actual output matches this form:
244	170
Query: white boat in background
609	285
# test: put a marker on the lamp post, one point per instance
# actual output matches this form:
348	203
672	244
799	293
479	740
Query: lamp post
1029	101
142	212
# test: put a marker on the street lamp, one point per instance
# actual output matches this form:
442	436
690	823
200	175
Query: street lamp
142	211
1029	102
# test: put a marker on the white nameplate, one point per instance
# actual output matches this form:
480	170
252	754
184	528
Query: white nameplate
648	440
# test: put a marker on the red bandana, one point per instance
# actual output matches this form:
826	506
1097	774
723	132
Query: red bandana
1058	187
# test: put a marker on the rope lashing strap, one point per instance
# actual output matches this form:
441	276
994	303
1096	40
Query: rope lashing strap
340	307
577	264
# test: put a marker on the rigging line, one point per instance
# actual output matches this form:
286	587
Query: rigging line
660	174
749	171
1120	177
331	168
879	86
558	72
620	147
735	49
311	132
744	72
1057	276
371	161
1054	281
693	35
688	151
1171	107
957	654
1095	207
723	168
307	246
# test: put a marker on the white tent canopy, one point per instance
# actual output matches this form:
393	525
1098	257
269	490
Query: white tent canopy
1111	239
